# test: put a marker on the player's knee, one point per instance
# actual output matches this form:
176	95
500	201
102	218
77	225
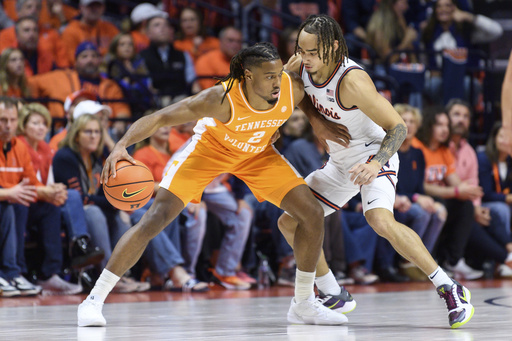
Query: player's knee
152	223
313	216
382	226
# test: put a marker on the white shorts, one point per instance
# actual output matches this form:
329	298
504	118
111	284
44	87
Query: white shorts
332	187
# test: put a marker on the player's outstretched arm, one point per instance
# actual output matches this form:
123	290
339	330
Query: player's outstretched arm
358	89
207	103
506	105
324	129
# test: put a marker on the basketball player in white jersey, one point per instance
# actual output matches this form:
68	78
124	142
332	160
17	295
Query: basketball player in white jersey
343	93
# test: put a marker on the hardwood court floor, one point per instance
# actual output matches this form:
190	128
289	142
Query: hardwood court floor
410	311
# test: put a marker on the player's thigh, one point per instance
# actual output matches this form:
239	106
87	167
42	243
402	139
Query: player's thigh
331	187
269	176
381	192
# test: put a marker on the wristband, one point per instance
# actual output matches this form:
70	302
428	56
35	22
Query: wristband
415	197
456	191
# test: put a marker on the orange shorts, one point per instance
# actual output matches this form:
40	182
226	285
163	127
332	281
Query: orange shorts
268	174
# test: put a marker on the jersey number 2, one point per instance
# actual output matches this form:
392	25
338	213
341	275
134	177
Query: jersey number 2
256	137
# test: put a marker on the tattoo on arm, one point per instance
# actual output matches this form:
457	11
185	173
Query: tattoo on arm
391	143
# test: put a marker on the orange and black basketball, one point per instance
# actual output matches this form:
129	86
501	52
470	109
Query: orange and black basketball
131	188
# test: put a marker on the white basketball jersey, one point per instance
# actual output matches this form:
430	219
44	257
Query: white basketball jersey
366	135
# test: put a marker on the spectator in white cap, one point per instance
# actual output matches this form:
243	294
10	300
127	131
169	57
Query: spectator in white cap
90	27
102	111
70	103
139	17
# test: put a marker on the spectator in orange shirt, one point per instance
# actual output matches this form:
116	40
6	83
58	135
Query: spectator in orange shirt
443	183
39	57
85	76
53	13
192	37
34	203
13	82
140	16
49	38
216	62
89	28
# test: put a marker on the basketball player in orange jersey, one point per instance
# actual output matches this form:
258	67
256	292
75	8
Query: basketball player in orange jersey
343	93
237	120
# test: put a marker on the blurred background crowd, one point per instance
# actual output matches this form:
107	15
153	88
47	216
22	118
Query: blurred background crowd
75	74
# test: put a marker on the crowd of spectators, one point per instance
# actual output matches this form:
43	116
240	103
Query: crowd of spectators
73	77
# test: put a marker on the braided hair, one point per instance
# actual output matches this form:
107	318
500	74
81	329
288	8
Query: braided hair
327	30
246	58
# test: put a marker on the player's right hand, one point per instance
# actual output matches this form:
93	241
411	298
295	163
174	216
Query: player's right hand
118	153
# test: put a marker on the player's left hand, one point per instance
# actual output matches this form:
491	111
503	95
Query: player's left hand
327	130
364	173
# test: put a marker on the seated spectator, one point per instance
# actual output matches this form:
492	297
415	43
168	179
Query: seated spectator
172	72
294	128
443	183
356	15
35	206
85	76
33	126
39	57
495	169
56	14
215	63
49	38
70	103
450	28
13	81
52	14
103	112
165	248
12	283
192	36
5	21
425	215
287	41
130	73
492	219
139	17
78	164
387	30
90	27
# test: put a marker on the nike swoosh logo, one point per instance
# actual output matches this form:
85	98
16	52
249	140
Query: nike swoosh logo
367	144
369	202
127	195
243	118
307	86
434	275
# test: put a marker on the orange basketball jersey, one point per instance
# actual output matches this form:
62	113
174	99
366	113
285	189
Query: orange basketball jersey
248	132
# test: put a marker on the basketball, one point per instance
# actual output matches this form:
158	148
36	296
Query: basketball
131	188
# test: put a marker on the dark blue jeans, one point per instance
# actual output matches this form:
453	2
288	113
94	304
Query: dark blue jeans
8	266
45	220
73	216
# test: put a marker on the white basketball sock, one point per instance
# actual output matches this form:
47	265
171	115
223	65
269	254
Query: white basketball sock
103	286
328	284
439	277
304	283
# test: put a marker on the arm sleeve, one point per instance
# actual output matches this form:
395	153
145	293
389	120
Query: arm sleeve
485	30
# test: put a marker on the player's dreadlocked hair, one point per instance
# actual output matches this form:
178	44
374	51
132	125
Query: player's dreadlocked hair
327	30
250	56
